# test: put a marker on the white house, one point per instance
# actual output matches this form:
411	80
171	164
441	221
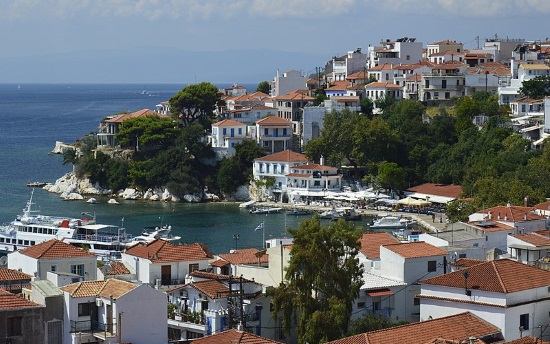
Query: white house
161	263
510	295
56	257
227	133
114	311
288	81
230	263
277	166
409	263
312	180
403	50
274	134
528	248
445	81
339	68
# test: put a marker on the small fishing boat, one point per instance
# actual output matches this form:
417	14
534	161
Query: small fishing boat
298	212
392	222
346	214
265	210
248	204
37	184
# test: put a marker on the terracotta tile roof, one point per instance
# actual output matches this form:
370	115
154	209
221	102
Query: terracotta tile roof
285	156
526	100
234	336
162	251
245	256
211	275
459	327
371	242
273	120
211	288
228	123
343	99
117	268
55	249
527	340
534	239
500	276
511	213
416	249
543	206
447	52
449	65
361	75
13	275
140	113
295	95
385	66
338	85
383	85
219	263
312	167
112	286
8	301
490	226
454	191
467	262
298	175
446	42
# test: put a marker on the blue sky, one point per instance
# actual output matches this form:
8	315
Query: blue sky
36	28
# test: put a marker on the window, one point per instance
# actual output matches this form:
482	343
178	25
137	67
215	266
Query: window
416	301
53	268
13	326
84	309
524	321
443	83
462	255
266	131
360	305
224	131
78	269
432	264
427	83
193	267
240	131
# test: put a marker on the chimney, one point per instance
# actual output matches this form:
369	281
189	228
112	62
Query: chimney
322	160
526	201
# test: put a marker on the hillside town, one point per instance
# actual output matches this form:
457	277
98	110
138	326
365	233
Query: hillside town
483	279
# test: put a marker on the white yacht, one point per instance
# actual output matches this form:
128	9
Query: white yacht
30	229
392	222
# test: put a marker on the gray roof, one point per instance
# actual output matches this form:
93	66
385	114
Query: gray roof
373	281
46	288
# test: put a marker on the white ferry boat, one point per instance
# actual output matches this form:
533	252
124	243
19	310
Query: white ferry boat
30	229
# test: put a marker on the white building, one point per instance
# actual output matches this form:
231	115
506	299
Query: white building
339	68
277	166
528	248
114	311
274	134
510	295
287	82
312	123
56	257
227	133
409	263
401	51
161	263
312	180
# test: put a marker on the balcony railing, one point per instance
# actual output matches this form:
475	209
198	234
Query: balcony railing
94	327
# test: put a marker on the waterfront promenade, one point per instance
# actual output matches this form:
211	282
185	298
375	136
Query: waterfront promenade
426	221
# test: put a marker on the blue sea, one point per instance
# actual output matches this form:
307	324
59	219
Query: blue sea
34	116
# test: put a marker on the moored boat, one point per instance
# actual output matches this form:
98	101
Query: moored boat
346	214
265	210
298	212
152	233
392	222
30	229
248	204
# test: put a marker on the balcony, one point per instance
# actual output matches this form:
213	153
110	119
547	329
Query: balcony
97	329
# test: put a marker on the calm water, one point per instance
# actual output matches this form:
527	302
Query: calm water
34	116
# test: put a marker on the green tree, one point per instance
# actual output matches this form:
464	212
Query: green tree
536	88
371	322
147	132
195	103
391	176
263	87
320	291
385	101
367	106
230	176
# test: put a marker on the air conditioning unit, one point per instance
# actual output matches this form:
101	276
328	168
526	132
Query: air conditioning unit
98	302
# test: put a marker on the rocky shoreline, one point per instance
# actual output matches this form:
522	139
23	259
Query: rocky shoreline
69	187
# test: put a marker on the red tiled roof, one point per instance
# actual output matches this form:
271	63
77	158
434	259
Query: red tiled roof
312	167
245	256
9	301
543	206
382	85
111	288
527	340
219	263
13	275
490	226
385	66
459	327
228	123
454	191
416	249
295	95
273	120
285	156
117	268
511	213
140	113
534	239
54	249
211	288
162	251
371	242
500	276
211	275
298	175
466	262
234	336
338	85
